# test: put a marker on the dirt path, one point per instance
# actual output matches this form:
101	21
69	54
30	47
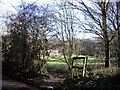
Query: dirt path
55	82
52	83
8	84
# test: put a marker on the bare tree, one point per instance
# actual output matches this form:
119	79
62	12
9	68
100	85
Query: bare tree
96	15
113	17
66	33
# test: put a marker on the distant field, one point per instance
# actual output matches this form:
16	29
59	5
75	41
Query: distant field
59	60
58	63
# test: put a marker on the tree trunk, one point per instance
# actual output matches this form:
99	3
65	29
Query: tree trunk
119	48
105	33
107	63
118	23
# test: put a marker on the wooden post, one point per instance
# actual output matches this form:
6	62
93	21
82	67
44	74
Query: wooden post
83	72
84	66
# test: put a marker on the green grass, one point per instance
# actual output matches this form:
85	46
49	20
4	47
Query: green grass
56	63
59	61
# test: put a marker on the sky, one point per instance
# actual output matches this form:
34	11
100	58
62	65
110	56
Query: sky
6	6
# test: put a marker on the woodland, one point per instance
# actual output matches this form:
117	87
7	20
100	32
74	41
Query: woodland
41	45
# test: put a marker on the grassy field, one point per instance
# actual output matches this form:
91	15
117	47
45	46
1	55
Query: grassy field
59	60
57	63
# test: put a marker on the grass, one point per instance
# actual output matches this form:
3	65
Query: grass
57	63
59	60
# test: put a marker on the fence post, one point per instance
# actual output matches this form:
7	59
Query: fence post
84	66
